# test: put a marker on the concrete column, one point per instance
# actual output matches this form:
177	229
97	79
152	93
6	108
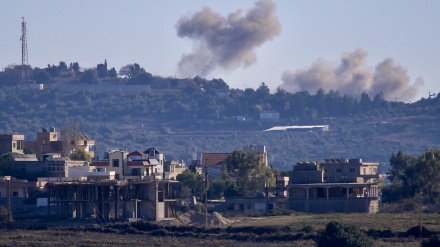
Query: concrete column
307	191
346	189
327	193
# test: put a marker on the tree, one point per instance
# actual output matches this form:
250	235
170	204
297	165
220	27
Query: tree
80	154
191	180
424	175
41	76
101	70
343	235
112	73
399	163
411	176
131	70
5	216
62	66
90	76
433	241
141	78
75	67
253	175
53	70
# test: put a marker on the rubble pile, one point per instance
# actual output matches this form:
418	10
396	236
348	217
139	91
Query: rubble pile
197	219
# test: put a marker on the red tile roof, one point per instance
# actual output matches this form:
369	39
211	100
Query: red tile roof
138	163
99	163
213	158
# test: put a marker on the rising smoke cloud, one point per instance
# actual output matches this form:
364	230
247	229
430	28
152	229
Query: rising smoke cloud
353	77
226	42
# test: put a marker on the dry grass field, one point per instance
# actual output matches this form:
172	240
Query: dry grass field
381	221
293	230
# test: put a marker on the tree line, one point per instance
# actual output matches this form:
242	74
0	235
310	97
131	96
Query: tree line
414	177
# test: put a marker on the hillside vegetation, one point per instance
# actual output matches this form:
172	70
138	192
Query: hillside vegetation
178	115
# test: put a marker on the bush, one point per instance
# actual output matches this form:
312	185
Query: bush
160	232
308	229
4	215
343	235
144	226
415	232
433	241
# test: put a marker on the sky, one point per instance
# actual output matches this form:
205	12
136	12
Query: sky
347	45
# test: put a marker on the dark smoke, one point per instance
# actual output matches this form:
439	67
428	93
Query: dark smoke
226	42
353	77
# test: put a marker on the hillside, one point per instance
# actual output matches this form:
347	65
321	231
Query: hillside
202	115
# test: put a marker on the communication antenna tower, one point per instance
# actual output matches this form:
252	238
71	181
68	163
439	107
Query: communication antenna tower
24	51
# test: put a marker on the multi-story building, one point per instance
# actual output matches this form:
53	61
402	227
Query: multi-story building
51	142
11	143
336	185
149	163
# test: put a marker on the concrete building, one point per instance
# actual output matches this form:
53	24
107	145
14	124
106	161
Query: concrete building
270	115
11	143
14	192
51	166
149	163
336	185
262	203
174	168
106	200
48	142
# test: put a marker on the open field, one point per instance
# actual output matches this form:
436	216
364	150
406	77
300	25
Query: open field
293	230
381	221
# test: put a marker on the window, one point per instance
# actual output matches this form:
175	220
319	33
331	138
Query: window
115	163
365	171
43	141
352	169
338	170
15	194
13	145
325	170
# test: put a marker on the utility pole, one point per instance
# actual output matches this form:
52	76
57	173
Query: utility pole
206	192
9	198
420	215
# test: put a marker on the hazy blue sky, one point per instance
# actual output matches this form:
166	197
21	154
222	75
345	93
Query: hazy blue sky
314	36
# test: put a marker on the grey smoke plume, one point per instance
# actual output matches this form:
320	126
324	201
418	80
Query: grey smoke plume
226	42
353	77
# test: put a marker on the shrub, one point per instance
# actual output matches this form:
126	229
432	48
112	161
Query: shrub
308	229
343	235
415	232
433	241
160	232
144	226
4	215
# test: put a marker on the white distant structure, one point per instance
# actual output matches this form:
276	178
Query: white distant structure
270	115
299	127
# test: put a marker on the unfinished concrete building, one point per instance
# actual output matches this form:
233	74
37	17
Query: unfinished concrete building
336	185
112	199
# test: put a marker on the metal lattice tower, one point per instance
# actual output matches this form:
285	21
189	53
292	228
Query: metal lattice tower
24	51
23	38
